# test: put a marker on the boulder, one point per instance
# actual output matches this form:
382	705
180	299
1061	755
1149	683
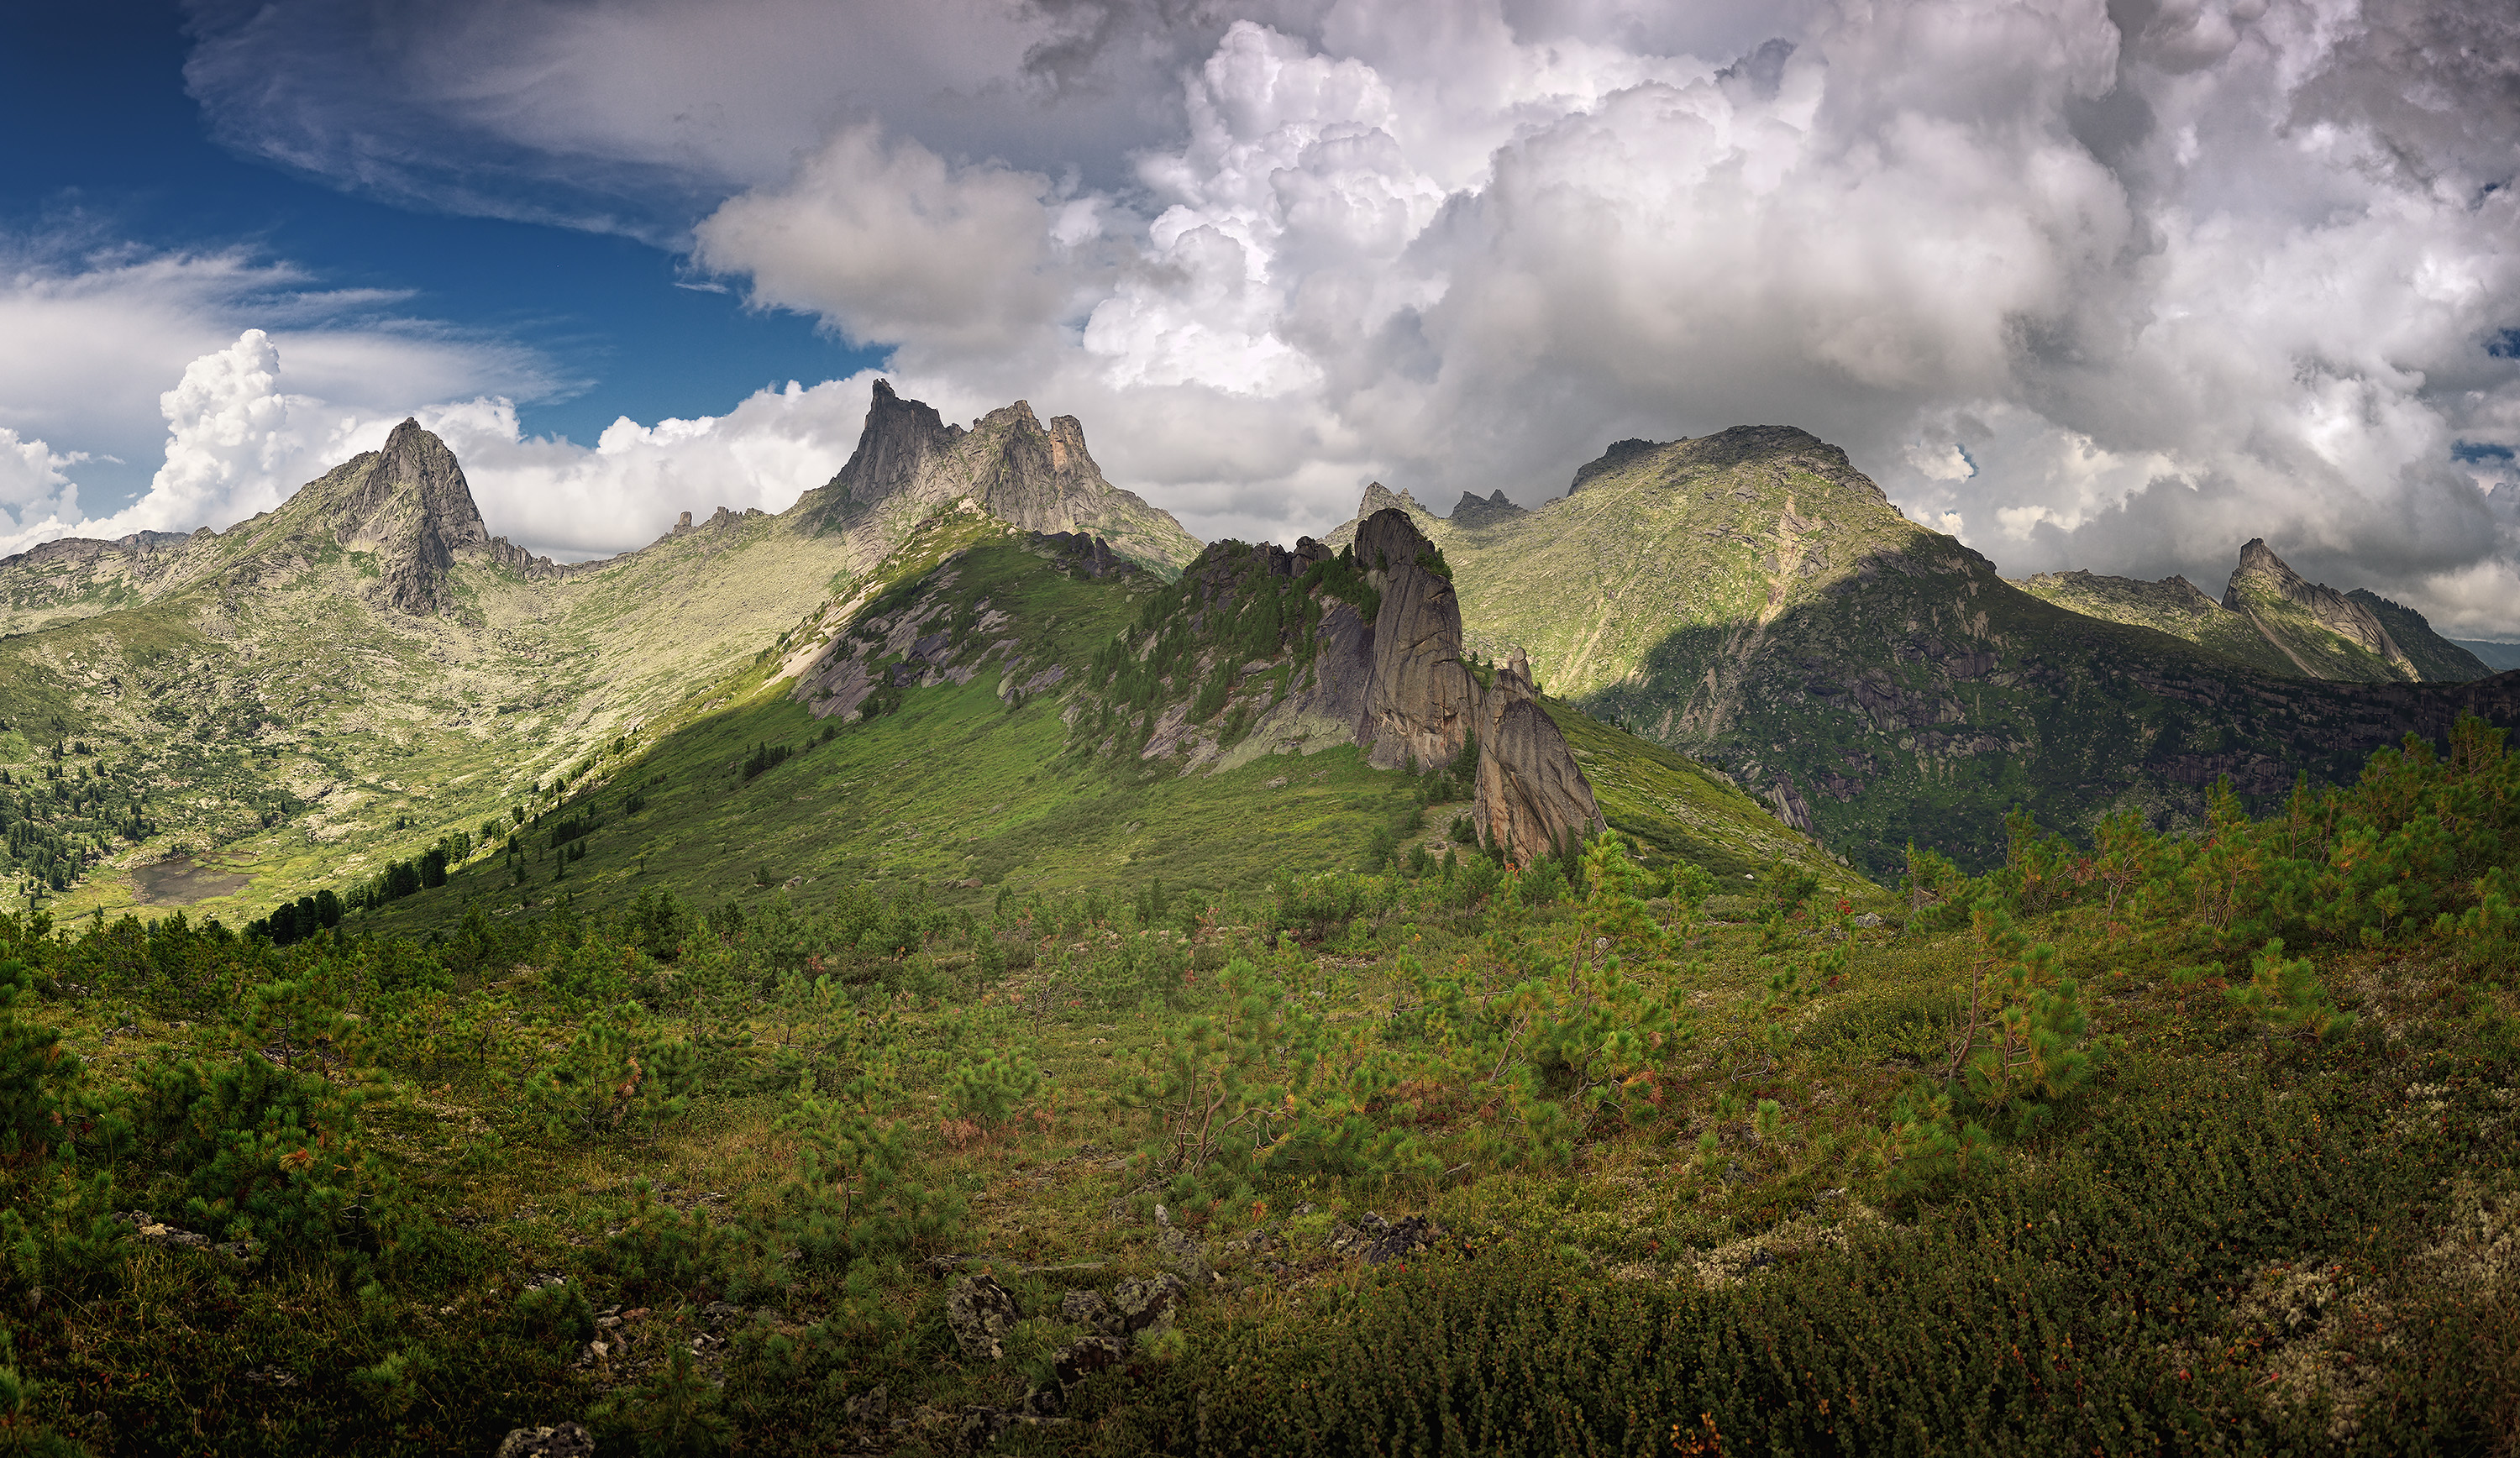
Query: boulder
1088	1308
981	1312
1083	1358
1147	1303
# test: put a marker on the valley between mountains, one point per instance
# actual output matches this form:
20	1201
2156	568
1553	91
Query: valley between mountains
1704	966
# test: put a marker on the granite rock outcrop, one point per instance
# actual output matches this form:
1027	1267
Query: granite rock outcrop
1530	795
1419	697
2294	612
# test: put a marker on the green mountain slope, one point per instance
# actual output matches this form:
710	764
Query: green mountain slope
1752	601
328	691
956	776
333	685
2326	633
2172	605
2436	660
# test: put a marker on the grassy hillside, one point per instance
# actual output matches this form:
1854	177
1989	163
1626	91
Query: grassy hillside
977	787
2319	651
281	733
2173	605
2435	657
1420	1161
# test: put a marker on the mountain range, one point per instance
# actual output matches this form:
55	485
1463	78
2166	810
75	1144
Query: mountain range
937	667
1751	599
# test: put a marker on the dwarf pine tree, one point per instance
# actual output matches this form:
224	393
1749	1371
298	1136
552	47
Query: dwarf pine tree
855	1197
2288	998
266	1145
35	1074
616	1078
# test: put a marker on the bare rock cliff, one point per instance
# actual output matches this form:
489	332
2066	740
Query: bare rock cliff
909	463
1530	795
409	504
1420	698
1422	703
2262	572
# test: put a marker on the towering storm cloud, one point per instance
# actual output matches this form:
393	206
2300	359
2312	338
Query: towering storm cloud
2091	285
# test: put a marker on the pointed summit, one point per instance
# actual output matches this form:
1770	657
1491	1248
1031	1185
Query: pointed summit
909	463
409	505
2326	633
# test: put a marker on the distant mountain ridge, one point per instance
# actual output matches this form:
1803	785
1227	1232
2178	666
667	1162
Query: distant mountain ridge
1752	600
909	464
2271	619
2500	657
366	660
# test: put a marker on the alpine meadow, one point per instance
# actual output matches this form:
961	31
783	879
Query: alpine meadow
1924	861
956	964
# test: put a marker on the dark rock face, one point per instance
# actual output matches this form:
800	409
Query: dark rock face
898	440
1619	453
1473	512
1420	698
1093	555
1530	795
1342	677
409	504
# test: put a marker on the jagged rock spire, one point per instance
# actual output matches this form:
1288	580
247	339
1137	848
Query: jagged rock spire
2263	571
1531	796
1027	474
1420	698
410	506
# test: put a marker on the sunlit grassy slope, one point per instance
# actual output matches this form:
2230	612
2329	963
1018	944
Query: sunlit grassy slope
972	787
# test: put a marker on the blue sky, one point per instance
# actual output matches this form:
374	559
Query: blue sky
103	139
2088	285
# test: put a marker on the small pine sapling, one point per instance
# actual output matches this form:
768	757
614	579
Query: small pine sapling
2040	1053
990	1094
614	1078
2288	998
36	1075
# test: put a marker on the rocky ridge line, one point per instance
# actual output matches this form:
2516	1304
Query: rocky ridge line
909	463
2262	574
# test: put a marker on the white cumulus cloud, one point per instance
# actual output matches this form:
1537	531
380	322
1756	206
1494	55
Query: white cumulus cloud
2116	286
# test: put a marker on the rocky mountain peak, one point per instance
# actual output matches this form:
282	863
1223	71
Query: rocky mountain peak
1619	453
409	504
909	463
1478	512
899	438
1380	498
2259	560
2263	578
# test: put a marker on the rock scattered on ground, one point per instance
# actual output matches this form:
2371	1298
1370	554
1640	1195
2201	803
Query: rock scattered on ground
1147	1303
981	1312
558	1440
